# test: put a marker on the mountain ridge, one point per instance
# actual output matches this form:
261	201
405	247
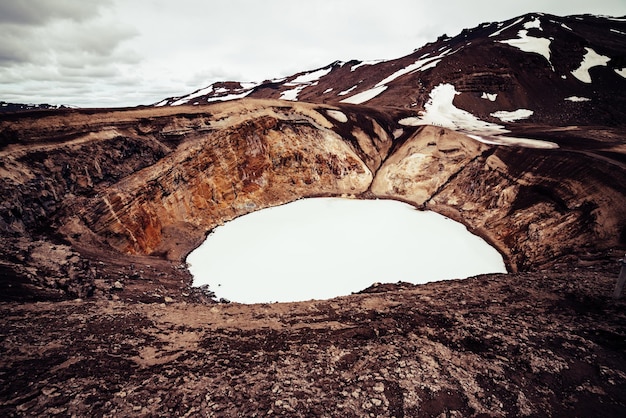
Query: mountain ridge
496	66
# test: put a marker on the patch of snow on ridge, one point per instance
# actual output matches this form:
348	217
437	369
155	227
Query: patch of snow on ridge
198	93
364	96
440	111
343	93
530	44
234	96
512	116
419	65
577	99
590	60
363	63
489	96
309	77
292	94
535	23
621	71
422	64
498	32
513	141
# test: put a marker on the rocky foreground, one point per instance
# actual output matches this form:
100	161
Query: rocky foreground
541	344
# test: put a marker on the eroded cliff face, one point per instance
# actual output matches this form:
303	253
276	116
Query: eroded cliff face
535	206
145	186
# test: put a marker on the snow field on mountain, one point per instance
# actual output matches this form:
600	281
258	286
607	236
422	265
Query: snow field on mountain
530	44
499	31
348	91
201	92
422	64
590	60
512	116
309	77
326	247
577	99
363	63
364	96
301	82
292	94
440	111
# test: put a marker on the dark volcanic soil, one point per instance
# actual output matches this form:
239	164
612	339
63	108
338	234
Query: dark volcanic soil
540	344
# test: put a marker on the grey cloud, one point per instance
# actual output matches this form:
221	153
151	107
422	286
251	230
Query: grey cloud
37	12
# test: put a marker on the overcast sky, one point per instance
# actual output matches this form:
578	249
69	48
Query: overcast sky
132	52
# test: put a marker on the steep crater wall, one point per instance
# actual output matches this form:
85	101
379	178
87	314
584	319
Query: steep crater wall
156	181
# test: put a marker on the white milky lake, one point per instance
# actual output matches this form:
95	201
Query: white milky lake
325	247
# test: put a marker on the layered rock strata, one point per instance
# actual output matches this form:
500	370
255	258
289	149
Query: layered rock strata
143	187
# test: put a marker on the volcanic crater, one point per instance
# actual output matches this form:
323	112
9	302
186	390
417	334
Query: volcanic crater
100	207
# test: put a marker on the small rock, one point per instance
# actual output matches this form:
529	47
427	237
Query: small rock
376	402
118	285
48	391
168	299
379	387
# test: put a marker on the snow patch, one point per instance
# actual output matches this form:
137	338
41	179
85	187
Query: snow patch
233	96
422	64
301	82
489	96
309	77
590	60
292	94
251	84
577	99
327	90
513	141
198	93
618	31
621	71
364	96
530	44
512	116
440	111
343	93
498	32
363	63
419	65
535	23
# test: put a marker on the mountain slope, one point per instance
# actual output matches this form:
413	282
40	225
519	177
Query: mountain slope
561	70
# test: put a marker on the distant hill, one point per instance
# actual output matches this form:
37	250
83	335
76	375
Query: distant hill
6	107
